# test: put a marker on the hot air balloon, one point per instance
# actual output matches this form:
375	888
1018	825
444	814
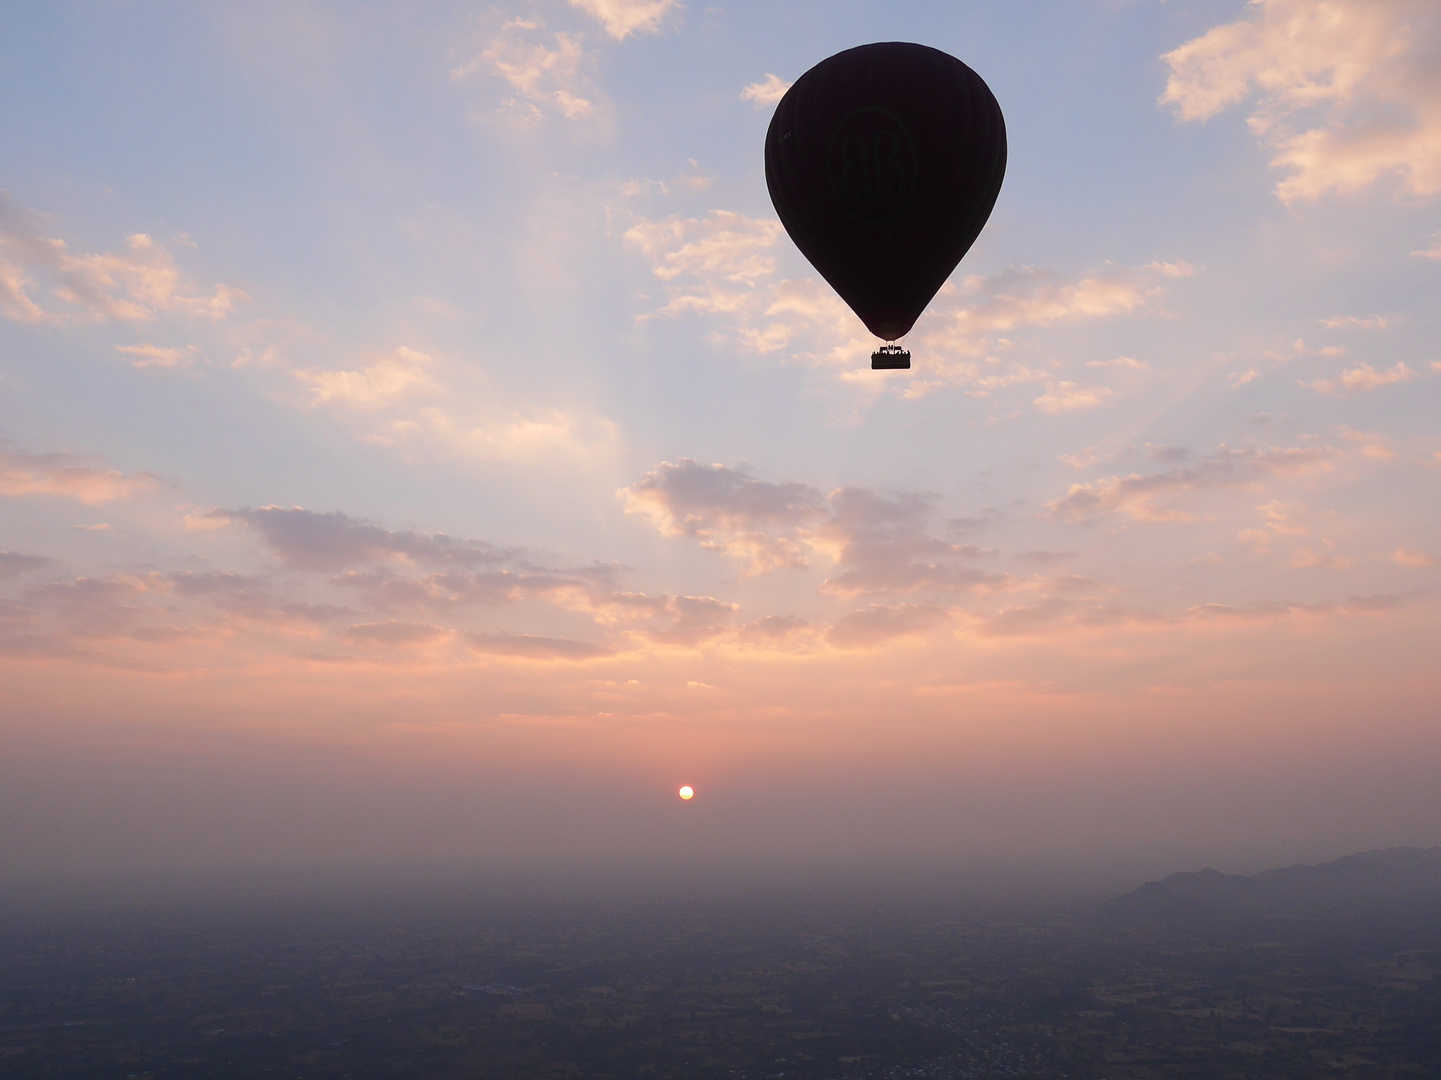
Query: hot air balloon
884	162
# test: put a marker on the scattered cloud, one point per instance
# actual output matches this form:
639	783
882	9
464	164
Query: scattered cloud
885	543
1353	322
1267	610
695	620
1414	558
1362	378
1299	348
1062	397
1306	559
775	627
1121	362
1084	459
13	563
723	247
728	510
386	379
395	635
879	543
1044	558
544	76
1280	520
1026	296
1371	445
621	18
695	177
156	356
1432	252
530	647
539	434
1347	90
308	540
880	623
1238	379
1147	498
1056	614
43	281
66	475
724	266
768	91
1167	453
1178	269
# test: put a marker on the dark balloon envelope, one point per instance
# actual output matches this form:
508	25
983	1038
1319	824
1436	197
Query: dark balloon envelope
884	162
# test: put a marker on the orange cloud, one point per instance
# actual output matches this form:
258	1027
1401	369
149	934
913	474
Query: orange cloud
65	476
1346	90
132	286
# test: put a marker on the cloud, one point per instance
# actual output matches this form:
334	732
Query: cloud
551	77
131	286
1306	559
1373	322
722	247
768	91
1121	362
1281	520
695	177
381	383
544	433
1068	397
1348	91
775	627
587	590
695	620
13	564
879	542
156	356
881	623
1266	610
1432	252
395	634
1143	497
1026	296
621	18
1372	445
968	328
67	476
728	510
883	543
1363	377
1055	613
723	266
1178	269
1298	348
527	647
1238	379
308	540
1414	558
1044	558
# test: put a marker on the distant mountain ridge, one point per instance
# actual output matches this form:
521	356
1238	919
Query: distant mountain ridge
1366	882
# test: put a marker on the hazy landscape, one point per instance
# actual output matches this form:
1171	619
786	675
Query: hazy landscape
1327	970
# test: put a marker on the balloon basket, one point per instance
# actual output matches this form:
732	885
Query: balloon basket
890	358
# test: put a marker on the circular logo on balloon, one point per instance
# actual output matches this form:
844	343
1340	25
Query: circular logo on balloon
872	165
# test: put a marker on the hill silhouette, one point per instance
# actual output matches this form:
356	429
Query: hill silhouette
1371	882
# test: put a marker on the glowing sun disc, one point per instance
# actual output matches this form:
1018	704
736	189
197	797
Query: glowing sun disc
687	792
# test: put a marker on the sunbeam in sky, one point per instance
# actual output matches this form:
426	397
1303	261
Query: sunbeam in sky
420	439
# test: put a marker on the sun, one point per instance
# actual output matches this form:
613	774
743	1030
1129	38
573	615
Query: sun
687	792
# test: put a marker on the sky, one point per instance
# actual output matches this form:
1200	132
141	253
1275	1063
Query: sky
419	440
